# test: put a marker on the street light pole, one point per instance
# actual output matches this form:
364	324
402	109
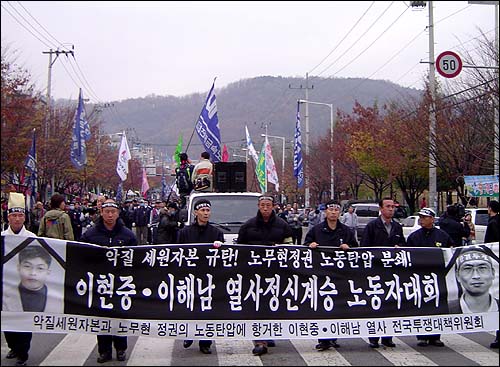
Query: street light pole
332	186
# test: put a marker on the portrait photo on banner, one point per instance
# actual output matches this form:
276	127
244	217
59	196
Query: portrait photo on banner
33	279
472	278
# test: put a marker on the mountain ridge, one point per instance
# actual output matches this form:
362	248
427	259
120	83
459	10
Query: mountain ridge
255	102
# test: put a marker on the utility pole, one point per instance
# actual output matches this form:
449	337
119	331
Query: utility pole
49	110
306	160
432	114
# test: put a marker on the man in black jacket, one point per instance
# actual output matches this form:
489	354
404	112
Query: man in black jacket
266	229
429	236
383	231
451	223
201	231
110	231
330	233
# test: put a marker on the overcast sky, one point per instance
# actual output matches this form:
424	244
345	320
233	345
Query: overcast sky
134	49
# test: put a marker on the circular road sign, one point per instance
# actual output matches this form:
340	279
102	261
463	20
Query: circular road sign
448	64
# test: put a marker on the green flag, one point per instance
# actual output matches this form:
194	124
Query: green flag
178	150
260	170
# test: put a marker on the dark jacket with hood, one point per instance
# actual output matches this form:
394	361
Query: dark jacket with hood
375	234
257	232
196	233
120	235
323	235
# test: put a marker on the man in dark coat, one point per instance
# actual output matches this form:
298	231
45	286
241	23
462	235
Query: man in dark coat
383	231
429	236
452	224
110	231
330	233
201	231
266	229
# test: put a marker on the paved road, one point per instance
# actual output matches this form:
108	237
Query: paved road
471	349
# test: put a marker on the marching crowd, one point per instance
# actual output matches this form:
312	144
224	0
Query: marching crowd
137	222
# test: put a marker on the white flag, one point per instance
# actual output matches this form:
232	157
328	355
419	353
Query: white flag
272	174
123	158
250	147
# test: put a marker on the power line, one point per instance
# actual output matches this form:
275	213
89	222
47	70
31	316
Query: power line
342	40
355	42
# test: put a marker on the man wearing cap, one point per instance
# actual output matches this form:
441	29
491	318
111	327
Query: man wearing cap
110	231
201	231
330	233
266	229
18	342
429	236
383	231
493	235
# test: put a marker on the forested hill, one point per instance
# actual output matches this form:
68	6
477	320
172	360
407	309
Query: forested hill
253	102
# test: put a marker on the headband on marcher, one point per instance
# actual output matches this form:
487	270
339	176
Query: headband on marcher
202	204
15	210
110	205
264	197
332	206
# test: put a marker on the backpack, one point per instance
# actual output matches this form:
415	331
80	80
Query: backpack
54	228
183	178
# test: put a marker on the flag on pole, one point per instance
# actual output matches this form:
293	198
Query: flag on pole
178	150
145	185
81	133
272	174
225	154
123	158
30	166
207	127
163	186
298	166
119	192
260	169
250	147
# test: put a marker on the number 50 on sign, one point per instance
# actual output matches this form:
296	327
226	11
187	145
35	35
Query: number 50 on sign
448	64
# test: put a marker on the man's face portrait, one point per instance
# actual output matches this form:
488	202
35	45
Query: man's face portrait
16	221
475	273
33	273
265	208
110	215
203	215
332	212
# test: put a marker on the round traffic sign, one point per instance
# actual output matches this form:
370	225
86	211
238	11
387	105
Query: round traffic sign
448	64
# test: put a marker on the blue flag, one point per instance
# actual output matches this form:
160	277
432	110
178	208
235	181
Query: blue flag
298	167
81	133
119	192
207	127
163	184
30	166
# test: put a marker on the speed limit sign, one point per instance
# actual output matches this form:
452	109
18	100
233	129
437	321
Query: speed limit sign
448	64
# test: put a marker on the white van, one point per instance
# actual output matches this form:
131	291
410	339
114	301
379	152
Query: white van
229	210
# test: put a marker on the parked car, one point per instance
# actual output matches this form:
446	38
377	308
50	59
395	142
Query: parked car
410	224
366	213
